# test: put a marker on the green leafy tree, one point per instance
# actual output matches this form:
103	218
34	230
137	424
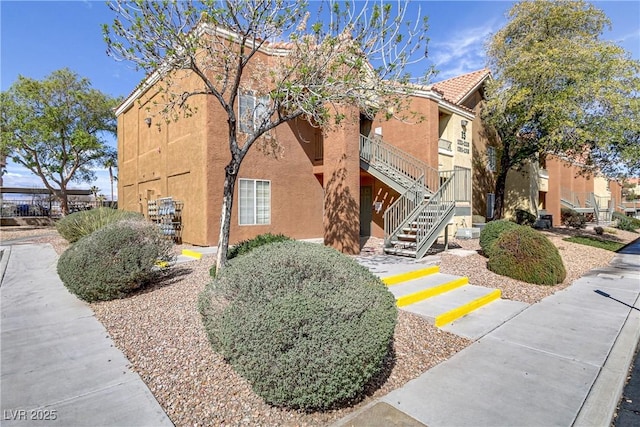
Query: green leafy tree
558	88
323	62
55	128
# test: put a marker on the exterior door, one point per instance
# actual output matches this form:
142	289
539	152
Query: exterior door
366	210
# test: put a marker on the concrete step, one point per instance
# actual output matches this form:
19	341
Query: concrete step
447	307
414	291
485	319
400	252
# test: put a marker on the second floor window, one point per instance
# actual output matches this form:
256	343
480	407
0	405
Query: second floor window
491	159
252	111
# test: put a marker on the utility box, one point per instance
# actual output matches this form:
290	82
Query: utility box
468	233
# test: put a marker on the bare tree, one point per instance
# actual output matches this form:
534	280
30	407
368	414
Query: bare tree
293	63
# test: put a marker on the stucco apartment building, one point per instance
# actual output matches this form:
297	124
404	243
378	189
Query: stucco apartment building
407	182
541	187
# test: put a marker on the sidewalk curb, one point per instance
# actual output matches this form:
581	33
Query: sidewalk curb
601	403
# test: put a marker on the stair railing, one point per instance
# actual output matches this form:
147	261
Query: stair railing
435	211
381	156
396	215
593	200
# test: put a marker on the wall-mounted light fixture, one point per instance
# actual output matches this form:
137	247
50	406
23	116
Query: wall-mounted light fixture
464	123
148	121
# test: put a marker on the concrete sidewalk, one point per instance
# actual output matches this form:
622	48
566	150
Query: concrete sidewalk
562	361
58	364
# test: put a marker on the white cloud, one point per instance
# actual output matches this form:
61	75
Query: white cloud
462	51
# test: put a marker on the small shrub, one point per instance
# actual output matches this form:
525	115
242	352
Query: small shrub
524	217
525	254
492	230
248	245
626	223
307	326
212	271
113	261
573	219
599	230
79	224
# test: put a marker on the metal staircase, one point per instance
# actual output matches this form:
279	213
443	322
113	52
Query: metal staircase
601	207
414	221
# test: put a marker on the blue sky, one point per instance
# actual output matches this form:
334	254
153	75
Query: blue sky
38	37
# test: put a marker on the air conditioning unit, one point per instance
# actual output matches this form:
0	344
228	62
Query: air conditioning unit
468	233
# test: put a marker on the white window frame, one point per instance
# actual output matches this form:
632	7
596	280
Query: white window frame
259	205
492	159
250	121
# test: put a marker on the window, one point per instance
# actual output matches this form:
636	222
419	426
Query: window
252	111
255	202
491	159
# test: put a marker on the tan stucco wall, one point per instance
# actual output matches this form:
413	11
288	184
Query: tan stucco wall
186	159
417	138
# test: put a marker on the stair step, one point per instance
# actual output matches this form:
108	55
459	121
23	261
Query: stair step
400	252
414	291
403	244
485	319
406	237
447	307
410	275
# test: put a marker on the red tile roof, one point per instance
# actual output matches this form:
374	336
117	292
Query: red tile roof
457	88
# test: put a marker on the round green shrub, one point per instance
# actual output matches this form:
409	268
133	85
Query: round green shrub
573	219
248	245
307	326
524	217
492	230
525	254
113	260
625	223
79	224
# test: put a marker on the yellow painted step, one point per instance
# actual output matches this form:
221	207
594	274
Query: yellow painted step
458	312
431	292
410	275
192	254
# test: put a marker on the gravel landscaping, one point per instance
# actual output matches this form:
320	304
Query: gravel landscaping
160	332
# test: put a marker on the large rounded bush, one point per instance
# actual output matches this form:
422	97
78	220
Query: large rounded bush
492	230
247	246
525	254
79	224
113	260
307	326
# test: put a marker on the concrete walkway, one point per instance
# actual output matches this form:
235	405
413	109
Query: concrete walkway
561	362
58	365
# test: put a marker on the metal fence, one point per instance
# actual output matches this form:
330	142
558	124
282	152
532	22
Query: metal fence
47	208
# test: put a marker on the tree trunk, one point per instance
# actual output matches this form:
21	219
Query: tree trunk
64	203
501	179
501	182
231	174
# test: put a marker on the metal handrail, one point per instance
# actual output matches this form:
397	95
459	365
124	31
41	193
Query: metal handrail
396	215
436	208
382	156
